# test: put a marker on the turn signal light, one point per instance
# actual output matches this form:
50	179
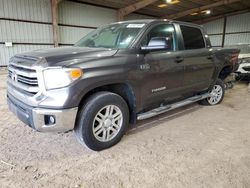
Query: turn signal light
75	74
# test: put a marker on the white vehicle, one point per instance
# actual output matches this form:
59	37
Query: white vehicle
243	72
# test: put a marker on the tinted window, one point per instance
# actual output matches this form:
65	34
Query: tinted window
165	31
193	38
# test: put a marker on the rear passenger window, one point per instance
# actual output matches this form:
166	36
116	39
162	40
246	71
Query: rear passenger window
193	38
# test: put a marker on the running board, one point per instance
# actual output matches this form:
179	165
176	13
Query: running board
166	108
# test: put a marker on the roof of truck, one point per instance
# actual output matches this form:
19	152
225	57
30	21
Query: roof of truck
147	21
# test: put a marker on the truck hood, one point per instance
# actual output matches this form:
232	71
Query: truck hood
62	56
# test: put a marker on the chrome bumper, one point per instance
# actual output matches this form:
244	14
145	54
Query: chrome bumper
64	119
36	117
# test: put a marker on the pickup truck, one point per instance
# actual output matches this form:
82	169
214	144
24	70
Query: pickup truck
116	75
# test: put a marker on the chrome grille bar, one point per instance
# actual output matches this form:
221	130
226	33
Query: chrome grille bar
23	78
23	72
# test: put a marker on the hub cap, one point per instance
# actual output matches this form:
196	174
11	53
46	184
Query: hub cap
107	123
215	95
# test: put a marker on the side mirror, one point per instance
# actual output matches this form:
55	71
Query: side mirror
156	44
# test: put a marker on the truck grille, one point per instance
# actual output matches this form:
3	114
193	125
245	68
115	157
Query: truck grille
23	78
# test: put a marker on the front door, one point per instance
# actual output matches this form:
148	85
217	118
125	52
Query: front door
162	70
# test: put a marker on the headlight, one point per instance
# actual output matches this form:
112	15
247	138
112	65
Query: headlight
60	77
245	60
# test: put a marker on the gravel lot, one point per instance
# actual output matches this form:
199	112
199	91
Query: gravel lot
195	146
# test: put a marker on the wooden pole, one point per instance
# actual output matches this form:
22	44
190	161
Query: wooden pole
54	22
224	31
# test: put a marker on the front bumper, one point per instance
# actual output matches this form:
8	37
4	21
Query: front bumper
243	76
36	118
244	68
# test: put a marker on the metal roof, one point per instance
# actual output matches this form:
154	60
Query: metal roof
171	9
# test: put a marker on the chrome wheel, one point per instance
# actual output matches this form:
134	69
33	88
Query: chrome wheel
215	95
107	123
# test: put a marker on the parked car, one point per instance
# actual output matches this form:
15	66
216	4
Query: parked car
243	72
116	75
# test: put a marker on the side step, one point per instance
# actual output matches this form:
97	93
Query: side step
166	108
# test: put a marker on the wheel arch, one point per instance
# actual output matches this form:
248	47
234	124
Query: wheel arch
124	90
224	72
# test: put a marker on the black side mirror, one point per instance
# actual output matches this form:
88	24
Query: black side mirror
156	44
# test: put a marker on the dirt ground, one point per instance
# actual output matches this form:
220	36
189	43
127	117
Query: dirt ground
195	146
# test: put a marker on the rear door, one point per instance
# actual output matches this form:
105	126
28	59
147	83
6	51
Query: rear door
198	60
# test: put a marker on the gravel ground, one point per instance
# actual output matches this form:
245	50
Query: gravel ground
195	146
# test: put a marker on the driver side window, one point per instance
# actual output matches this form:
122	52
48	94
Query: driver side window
163	31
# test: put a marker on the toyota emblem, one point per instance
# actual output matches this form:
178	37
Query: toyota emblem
14	76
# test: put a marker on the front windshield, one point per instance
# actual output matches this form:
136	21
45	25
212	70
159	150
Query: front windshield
118	35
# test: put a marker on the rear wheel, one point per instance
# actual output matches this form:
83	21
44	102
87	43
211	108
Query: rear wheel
102	121
216	94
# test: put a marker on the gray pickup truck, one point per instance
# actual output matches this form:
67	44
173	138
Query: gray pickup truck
116	75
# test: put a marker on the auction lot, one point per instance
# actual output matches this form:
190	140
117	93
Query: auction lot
196	146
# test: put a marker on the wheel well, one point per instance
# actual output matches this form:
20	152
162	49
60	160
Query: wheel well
225	72
124	90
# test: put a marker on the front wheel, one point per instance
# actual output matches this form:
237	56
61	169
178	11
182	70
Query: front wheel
216	94
102	121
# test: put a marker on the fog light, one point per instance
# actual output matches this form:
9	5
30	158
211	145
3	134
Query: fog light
49	119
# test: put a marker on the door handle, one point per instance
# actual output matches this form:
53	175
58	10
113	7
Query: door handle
145	66
210	57
179	59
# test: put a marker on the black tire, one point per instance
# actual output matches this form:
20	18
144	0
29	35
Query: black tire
238	77
207	101
87	114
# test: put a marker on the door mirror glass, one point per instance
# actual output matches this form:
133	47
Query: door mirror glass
158	43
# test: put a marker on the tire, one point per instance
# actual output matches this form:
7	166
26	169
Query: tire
102	121
238	77
218	92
